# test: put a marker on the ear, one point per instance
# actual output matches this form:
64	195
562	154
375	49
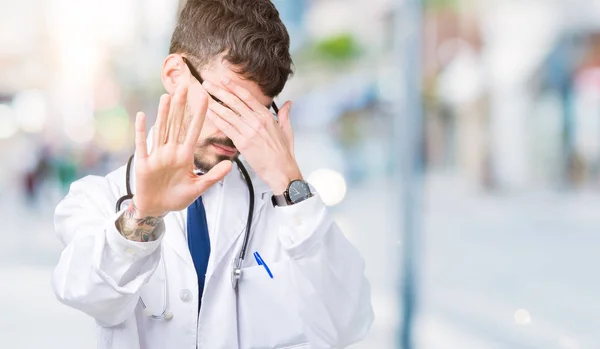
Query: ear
173	73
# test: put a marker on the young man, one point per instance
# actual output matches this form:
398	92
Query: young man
163	269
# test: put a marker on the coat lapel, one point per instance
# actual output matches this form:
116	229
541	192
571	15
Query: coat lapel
176	225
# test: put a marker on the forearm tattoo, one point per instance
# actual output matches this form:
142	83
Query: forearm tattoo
138	229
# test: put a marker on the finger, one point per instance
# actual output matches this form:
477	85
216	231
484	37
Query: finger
232	101
232	118
193	132
176	114
262	115
225	127
245	96
141	149
285	123
160	127
218	172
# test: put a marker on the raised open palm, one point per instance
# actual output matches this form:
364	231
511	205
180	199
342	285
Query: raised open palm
165	178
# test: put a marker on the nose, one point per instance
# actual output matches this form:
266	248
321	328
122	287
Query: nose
221	135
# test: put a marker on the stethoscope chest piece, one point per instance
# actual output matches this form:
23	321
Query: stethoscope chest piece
165	315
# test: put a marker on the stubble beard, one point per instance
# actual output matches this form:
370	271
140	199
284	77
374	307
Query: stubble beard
205	160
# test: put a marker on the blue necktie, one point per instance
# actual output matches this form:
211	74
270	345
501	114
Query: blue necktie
198	242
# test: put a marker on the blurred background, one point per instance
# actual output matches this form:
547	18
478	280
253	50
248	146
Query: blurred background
456	141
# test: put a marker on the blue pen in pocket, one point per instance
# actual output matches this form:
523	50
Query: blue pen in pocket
260	261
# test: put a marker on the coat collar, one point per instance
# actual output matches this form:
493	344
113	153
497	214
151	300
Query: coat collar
233	213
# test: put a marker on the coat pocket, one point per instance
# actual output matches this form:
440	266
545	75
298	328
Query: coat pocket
268	308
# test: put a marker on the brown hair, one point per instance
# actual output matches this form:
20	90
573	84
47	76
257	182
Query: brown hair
249	32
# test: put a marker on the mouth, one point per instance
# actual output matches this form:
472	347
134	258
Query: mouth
224	149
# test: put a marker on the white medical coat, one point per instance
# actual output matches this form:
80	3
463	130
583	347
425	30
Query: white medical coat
318	298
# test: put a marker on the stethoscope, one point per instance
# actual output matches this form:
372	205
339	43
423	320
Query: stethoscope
236	272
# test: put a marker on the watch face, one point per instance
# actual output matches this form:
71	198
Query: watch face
298	191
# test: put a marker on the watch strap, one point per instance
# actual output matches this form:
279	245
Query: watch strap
281	200
285	200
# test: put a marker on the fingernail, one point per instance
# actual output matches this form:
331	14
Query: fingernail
225	80
207	84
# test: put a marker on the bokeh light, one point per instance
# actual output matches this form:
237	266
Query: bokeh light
113	129
522	317
8	124
30	111
330	185
81	132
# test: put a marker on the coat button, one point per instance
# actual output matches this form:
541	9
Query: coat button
185	295
297	221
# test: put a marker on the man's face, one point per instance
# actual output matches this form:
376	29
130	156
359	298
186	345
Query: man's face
213	146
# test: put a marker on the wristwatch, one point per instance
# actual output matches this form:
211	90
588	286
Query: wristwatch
297	191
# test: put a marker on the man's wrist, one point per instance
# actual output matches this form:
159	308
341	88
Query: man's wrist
137	226
140	211
280	182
